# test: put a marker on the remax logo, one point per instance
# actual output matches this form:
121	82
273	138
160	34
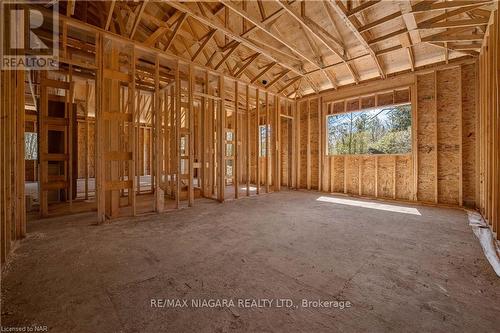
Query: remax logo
29	35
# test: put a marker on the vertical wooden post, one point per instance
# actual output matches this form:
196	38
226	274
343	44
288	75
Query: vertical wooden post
320	143
221	142
257	141
20	154
236	161
133	131
460	164
414	111
248	138
87	139
158	141
277	144
69	114
376	176
190	118
308	157
204	137
298	150
436	142
178	92
99	132
268	150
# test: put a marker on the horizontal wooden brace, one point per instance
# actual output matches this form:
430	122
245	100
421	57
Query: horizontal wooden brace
116	75
117	156
118	116
54	157
116	185
56	84
53	185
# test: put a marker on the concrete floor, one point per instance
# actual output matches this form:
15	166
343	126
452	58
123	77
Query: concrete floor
400	271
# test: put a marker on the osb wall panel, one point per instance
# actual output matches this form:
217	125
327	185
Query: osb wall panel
314	143
386	176
469	78
445	124
352	174
426	131
404	176
449	138
368	175
337	173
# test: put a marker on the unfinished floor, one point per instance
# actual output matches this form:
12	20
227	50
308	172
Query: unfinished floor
401	271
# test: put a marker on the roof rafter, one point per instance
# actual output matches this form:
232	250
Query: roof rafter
425	6
110	14
342	12
454	24
138	19
249	61
246	16
208	37
231	34
300	19
289	83
262	72
227	55
178	25
277	78
361	7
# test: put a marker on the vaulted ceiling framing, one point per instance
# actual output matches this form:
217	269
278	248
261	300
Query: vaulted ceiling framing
298	47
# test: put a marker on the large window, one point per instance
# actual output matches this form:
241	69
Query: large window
30	146
264	131
384	130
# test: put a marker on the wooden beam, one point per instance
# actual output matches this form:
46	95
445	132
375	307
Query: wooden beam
221	139
276	79
453	38
236	138
341	11
138	19
307	26
449	14
205	42
454	24
249	60
426	6
180	21
227	55
190	123
264	71
262	27
248	162
288	84
110	14
387	36
361	7
183	8
380	21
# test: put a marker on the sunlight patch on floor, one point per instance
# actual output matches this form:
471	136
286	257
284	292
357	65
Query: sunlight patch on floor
371	205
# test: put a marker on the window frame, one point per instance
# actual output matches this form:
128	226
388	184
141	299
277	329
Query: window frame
266	137
412	131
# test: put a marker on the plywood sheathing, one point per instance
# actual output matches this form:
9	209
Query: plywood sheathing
439	126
